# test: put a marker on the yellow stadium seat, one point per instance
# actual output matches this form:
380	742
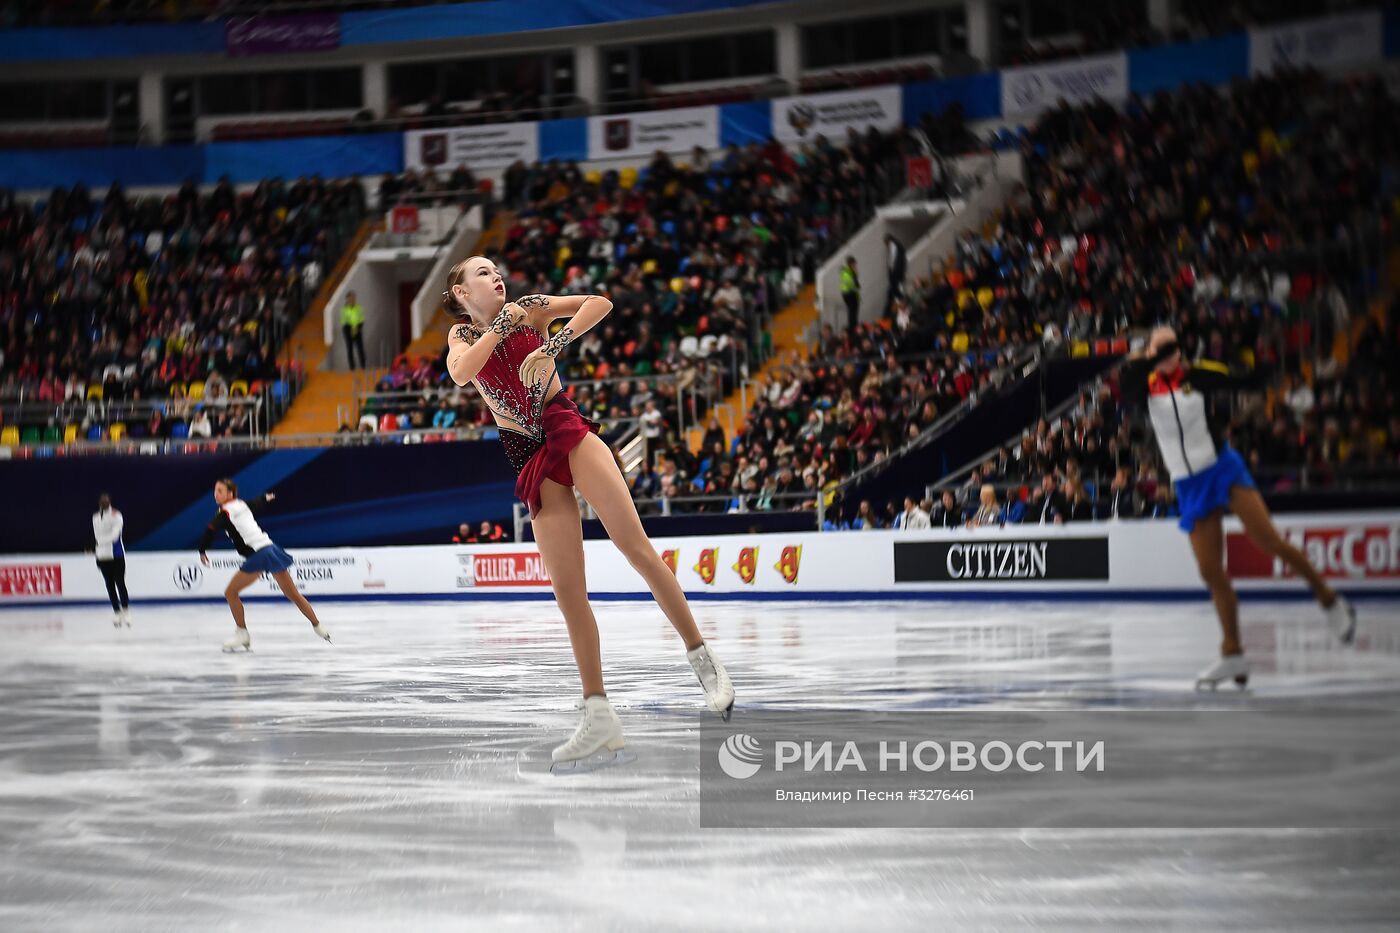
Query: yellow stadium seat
196	391
236	385
627	178
94	393
961	341
70	434
9	437
1079	349
117	431
593	177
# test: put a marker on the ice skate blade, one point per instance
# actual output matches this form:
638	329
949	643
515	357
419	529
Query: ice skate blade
244	648
594	762
728	711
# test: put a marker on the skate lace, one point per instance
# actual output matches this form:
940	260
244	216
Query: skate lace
581	732
705	670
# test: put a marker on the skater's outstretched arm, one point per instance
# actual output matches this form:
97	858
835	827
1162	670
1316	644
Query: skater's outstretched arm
257	505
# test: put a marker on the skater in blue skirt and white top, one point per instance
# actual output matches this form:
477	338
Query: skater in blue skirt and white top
1210	479
235	519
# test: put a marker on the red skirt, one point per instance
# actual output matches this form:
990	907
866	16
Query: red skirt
565	427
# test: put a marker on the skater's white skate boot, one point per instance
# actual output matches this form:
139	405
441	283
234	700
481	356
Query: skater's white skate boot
322	631
240	639
599	729
116	618
1232	666
719	692
1341	618
126	616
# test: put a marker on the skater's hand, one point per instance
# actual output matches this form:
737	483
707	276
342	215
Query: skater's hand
204	558
537	368
270	496
517	314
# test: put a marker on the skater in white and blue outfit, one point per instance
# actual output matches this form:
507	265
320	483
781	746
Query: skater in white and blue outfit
111	558
235	519
1210	479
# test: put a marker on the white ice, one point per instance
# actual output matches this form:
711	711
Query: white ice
393	780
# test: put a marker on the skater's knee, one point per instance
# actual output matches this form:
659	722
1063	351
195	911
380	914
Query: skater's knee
637	550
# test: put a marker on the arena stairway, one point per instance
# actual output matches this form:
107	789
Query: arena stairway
434	337
315	409
329	396
789	329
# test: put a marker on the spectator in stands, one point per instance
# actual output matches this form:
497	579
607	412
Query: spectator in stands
896	267
866	518
1048	505
445	416
913	518
491	533
989	509
1013	512
464	535
1123	500
947	514
352	325
200	425
1081	507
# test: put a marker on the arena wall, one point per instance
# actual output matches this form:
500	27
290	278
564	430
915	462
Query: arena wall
1359	551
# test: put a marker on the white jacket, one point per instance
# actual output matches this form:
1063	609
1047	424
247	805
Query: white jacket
107	531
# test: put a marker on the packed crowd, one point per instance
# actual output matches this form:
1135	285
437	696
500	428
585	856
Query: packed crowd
128	300
816	423
695	256
1233	214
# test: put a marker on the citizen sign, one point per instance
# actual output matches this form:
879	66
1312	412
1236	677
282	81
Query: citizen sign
1001	559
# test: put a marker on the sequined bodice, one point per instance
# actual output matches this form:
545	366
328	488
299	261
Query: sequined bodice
499	380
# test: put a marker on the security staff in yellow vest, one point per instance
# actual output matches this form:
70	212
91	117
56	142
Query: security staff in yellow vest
352	324
850	292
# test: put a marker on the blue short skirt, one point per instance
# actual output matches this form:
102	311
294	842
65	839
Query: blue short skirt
1209	490
271	559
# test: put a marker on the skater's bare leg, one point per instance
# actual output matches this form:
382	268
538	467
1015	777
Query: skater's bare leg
289	589
1208	543
1253	513
241	581
559	535
598	478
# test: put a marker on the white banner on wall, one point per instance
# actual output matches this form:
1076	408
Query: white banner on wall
640	134
1358	550
493	146
1028	91
1335	43
803	118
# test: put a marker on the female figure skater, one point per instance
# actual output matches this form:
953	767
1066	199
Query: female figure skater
111	558
505	349
235	519
1211	478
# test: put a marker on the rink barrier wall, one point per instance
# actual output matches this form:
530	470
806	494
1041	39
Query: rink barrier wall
1358	551
1345	43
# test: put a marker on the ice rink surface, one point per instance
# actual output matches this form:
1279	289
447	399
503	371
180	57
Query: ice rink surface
394	780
